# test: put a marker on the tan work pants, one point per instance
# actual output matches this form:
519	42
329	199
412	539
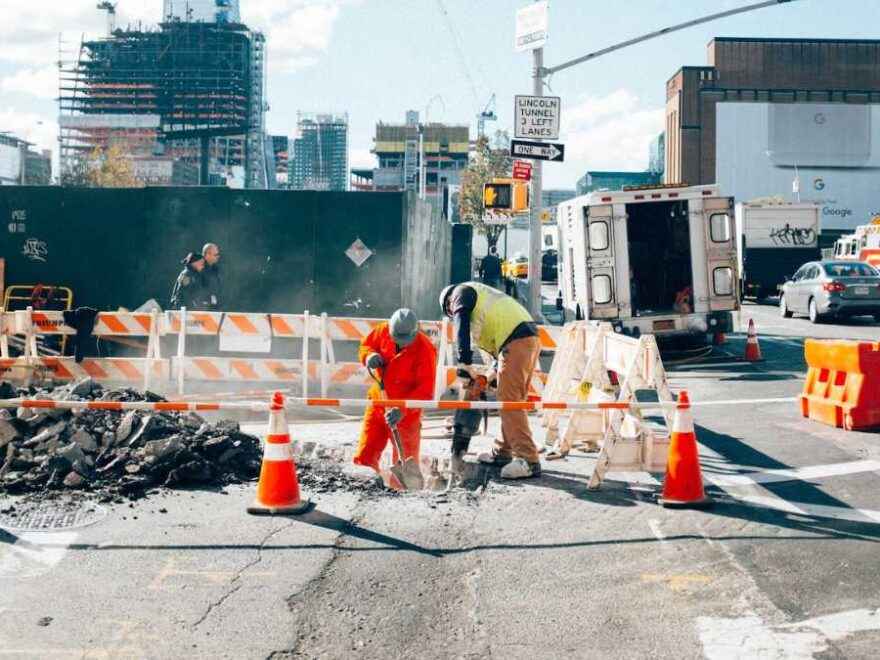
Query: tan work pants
515	367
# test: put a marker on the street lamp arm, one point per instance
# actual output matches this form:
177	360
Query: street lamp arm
545	71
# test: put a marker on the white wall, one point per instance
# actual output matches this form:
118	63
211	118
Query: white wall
10	164
836	148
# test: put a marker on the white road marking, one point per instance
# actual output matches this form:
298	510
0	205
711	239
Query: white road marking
34	554
813	510
793	474
750	637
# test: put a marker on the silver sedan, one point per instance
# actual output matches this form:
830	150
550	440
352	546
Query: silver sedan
832	289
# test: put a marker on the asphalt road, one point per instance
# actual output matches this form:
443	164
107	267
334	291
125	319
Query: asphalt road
785	565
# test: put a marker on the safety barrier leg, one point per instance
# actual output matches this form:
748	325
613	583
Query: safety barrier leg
440	375
325	340
305	355
153	350
4	340
181	350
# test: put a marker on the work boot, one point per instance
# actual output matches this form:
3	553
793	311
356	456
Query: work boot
520	468
495	458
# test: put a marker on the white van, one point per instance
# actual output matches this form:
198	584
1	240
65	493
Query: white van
655	259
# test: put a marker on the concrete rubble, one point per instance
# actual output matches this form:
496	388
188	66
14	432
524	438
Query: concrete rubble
130	454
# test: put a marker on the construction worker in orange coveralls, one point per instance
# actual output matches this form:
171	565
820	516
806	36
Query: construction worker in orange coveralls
406	361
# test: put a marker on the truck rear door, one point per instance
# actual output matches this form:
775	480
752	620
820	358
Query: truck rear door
720	253
600	262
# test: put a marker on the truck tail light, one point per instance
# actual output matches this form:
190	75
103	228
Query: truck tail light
834	287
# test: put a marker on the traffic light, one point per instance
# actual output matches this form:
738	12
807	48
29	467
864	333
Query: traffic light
506	195
497	196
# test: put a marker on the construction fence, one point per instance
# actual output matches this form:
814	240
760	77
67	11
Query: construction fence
315	367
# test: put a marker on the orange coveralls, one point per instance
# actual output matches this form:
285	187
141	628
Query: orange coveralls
408	374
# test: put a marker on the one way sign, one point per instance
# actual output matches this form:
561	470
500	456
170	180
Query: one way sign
537	150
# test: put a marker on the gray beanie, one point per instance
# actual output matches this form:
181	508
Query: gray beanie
403	326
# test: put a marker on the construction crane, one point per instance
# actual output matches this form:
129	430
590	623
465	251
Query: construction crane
110	8
488	114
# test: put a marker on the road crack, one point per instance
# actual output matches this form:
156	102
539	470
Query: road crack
235	583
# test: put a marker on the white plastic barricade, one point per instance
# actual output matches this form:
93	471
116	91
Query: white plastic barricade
590	354
235	331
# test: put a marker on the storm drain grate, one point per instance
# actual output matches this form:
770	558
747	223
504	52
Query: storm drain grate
52	518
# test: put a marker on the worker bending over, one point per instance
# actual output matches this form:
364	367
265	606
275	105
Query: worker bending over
503	328
405	360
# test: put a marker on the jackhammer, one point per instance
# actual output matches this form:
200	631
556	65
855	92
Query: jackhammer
466	423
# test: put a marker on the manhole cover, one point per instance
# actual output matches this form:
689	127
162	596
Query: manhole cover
47	518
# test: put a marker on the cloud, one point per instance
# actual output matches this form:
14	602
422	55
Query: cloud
610	132
42	83
29	31
362	159
297	31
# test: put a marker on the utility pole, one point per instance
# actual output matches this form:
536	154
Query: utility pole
535	203
539	74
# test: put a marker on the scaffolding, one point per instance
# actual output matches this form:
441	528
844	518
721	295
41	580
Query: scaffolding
188	90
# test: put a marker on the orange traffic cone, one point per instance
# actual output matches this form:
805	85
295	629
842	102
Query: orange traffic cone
683	485
278	488
753	349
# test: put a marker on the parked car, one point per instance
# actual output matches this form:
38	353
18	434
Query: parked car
549	261
832	289
518	266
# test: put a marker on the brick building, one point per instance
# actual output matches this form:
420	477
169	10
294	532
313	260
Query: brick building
742	70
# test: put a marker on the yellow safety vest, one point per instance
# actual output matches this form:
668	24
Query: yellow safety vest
494	318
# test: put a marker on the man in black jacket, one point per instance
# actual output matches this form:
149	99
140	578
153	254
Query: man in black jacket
211	275
490	268
189	288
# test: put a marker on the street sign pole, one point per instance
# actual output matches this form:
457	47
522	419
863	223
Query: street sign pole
535	204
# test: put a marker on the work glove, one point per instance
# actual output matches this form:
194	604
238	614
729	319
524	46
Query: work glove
393	416
375	361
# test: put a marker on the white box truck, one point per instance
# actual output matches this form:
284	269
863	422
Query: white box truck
659	259
773	241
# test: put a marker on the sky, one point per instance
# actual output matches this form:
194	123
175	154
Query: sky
375	59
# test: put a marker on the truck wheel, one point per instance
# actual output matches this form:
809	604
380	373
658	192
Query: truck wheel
784	311
815	317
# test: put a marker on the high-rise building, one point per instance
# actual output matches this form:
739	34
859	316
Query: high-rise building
189	89
798	118
397	146
320	153
206	11
280	146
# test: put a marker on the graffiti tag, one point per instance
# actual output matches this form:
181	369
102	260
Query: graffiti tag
789	235
35	250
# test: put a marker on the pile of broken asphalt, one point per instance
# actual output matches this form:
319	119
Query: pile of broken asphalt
112	455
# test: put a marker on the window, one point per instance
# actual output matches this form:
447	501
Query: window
598	235
719	227
846	269
722	281
602	289
548	240
852	248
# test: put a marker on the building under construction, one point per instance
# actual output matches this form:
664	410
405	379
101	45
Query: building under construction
320	152
400	147
187	90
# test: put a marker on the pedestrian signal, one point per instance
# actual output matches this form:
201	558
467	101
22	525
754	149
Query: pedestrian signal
511	196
